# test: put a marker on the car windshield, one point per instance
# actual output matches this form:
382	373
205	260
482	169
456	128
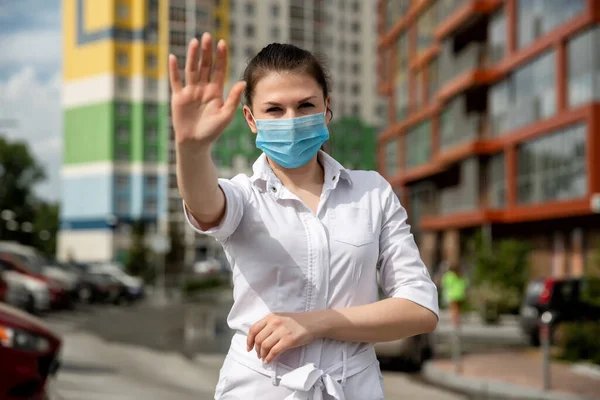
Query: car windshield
30	263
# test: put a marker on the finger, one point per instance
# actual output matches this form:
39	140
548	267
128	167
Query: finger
268	344
174	74
205	64
261	337
191	63
218	75
276	350
254	330
235	95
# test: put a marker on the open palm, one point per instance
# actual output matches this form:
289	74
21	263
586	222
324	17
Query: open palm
199	112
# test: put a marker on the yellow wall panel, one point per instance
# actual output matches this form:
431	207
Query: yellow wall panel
98	14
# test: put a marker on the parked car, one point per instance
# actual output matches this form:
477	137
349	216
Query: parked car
38	291
408	354
132	288
562	297
30	354
59	297
13	291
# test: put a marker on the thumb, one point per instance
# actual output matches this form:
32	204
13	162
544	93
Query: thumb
235	95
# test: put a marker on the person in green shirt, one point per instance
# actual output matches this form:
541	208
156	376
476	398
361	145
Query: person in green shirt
454	288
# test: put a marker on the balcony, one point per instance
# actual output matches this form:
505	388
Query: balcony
460	14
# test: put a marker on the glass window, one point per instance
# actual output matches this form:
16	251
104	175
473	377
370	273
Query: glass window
249	8
275	32
418	145
150	61
275	10
401	97
394	10
426	24
123	11
391	157
553	167
123	134
583	59
497	36
524	97
122	59
456	125
433	72
496	181
250	30
538	17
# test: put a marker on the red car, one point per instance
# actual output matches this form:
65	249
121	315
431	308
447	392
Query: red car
29	352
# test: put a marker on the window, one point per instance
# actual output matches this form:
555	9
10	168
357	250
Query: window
418	145
355	110
249	9
250	30
249	52
538	17
122	205
122	59
456	125
151	84
426	24
583	67
275	10
355	47
232	27
526	96
356	6
356	68
297	12
433	72
553	167
151	182
150	61
122	155
356	27
356	89
122	182
401	97
122	109
391	157
496	181
122	83
497	36
122	11
394	9
151	111
151	135
275	33
150	206
123	135
150	154
217	23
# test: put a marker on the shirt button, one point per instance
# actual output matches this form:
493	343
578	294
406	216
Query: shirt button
273	189
333	178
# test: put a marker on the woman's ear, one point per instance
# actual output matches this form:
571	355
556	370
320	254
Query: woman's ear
250	119
328	113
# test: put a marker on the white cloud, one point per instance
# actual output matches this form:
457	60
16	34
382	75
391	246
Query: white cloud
36	107
33	46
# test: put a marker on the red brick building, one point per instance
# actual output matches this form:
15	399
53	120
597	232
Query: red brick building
494	121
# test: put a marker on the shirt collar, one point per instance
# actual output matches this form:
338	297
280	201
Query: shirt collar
333	170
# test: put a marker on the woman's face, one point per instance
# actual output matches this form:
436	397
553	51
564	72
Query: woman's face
285	95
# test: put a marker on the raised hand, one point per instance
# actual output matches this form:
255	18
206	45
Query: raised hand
199	112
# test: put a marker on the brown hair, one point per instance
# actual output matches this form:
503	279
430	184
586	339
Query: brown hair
278	57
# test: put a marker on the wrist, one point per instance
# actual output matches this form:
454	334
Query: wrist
193	149
323	323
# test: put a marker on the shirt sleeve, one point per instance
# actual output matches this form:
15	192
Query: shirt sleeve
402	272
234	210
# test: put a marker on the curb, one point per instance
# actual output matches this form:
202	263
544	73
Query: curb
489	389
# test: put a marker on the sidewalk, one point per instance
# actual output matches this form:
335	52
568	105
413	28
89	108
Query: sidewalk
512	375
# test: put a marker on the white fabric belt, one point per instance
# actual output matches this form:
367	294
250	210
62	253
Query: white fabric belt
307	382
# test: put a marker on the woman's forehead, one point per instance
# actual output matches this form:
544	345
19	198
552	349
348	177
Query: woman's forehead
286	86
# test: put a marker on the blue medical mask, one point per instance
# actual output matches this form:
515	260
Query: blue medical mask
291	142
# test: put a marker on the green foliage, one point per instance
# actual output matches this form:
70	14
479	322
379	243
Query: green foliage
353	143
46	219
137	259
579	341
500	274
591	290
201	284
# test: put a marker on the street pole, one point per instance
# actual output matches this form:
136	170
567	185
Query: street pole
545	340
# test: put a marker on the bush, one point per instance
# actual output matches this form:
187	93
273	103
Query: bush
195	285
579	341
500	274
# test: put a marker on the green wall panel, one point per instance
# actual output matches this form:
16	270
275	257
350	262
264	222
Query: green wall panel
88	134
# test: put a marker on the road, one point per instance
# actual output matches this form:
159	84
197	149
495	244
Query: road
141	352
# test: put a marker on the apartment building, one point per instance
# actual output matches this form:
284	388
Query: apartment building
494	122
115	125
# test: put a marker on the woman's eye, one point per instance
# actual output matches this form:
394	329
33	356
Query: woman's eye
273	109
304	105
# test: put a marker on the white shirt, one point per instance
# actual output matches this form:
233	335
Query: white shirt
286	258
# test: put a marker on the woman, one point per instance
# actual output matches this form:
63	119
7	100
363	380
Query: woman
303	235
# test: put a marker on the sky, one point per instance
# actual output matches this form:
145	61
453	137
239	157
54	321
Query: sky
30	82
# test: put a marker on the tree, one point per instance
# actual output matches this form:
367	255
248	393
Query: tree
45	227
19	173
137	260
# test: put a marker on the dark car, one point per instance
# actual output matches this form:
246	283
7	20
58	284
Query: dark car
29	354
562	297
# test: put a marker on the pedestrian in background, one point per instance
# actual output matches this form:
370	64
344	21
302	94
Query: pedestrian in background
454	287
303	235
